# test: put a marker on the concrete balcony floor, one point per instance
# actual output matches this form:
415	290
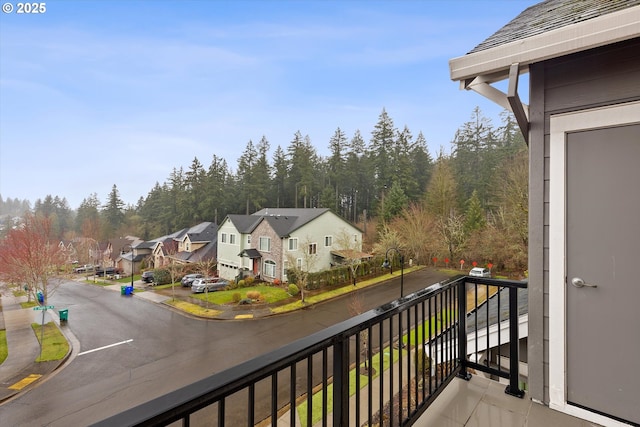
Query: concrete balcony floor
481	402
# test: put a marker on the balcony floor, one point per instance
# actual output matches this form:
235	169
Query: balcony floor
481	402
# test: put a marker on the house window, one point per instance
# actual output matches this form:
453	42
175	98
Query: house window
232	239
313	248
223	238
265	244
249	239
328	240
270	268
293	243
188	247
299	263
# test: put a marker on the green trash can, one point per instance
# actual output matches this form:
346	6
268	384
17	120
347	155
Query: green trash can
123	290
64	315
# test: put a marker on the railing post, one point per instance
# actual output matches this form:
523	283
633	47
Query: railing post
340	383
514	346
462	329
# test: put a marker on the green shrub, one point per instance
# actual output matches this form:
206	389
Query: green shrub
236	297
293	289
254	295
242	283
161	276
249	281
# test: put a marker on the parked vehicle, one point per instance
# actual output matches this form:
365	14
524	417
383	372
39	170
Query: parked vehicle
189	278
147	276
480	272
108	271
208	284
84	268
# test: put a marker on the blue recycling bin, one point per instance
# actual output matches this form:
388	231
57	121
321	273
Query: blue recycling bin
40	297
128	290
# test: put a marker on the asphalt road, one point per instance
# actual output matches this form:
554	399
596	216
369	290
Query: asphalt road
132	350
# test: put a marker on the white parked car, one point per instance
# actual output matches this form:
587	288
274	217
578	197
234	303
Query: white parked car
480	272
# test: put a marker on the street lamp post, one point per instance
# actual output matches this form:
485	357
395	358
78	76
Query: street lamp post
387	264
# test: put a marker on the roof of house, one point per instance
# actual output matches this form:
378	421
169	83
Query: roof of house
496	308
550	29
203	232
282	220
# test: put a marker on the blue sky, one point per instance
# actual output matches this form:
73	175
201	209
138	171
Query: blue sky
101	92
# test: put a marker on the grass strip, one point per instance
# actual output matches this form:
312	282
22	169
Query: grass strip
54	344
4	350
193	309
389	356
29	304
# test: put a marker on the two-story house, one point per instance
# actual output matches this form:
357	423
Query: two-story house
189	245
263	244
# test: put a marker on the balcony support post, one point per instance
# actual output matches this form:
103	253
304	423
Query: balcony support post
514	346
462	330
340	382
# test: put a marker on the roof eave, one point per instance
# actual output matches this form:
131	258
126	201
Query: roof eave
607	29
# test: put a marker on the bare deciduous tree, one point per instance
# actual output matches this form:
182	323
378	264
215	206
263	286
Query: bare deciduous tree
302	262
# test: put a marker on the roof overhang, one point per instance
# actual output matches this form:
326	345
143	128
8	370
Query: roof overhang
477	71
493	64
250	253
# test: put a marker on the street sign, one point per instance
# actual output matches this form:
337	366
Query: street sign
43	307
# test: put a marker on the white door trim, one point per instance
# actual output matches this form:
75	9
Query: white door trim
560	125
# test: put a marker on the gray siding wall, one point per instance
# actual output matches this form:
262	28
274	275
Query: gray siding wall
603	76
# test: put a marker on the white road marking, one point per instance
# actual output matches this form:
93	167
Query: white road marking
105	347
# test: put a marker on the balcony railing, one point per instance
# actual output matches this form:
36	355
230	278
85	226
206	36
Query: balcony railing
384	366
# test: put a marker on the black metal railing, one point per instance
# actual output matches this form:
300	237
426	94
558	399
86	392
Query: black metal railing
386	364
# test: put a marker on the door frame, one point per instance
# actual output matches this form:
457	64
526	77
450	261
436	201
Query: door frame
560	125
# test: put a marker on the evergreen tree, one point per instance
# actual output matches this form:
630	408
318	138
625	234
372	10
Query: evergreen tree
217	195
472	164
474	216
381	150
281	171
422	163
88	217
194	209
336	172
113	213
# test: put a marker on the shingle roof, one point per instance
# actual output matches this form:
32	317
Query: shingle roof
550	15
203	232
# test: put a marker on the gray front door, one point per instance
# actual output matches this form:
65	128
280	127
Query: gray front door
603	250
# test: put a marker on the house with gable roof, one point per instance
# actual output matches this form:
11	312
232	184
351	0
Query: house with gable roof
261	244
189	245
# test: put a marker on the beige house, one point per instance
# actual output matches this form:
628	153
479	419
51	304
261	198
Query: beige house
263	244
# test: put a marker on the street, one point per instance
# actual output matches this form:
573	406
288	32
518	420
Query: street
132	350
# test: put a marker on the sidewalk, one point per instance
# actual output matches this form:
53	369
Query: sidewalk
20	370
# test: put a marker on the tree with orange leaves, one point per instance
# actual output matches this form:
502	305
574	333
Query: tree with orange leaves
29	256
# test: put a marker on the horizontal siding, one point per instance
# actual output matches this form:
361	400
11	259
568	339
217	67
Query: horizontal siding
604	76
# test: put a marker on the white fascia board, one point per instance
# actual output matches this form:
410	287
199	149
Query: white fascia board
604	30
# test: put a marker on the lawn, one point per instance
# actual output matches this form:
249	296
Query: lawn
270	295
54	345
